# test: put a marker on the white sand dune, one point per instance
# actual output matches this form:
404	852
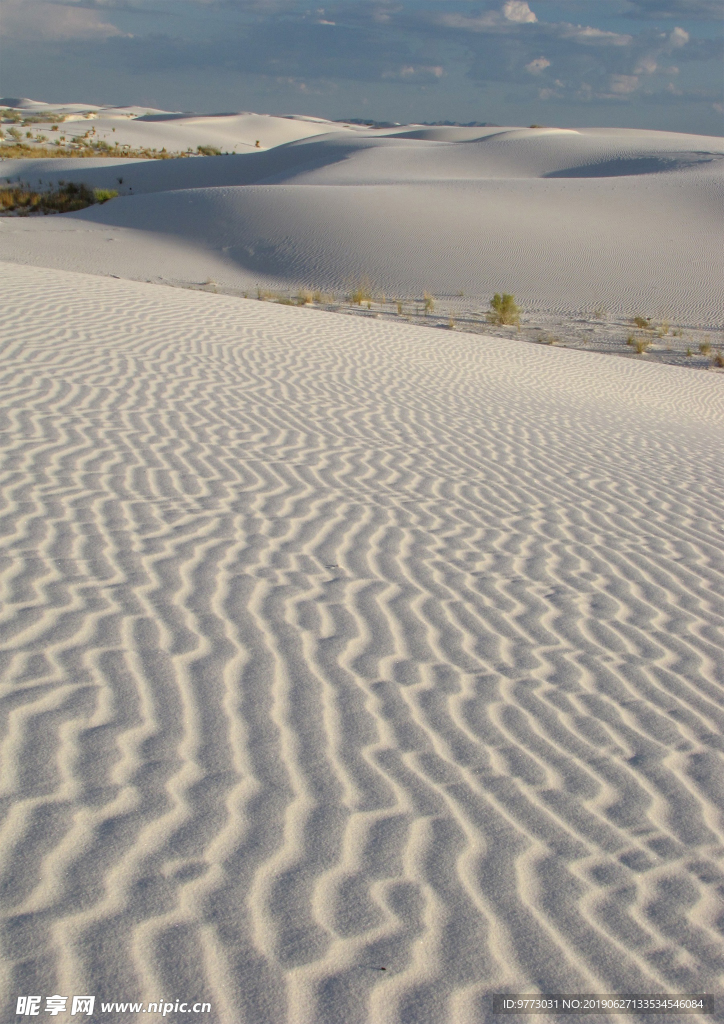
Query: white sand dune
333	645
566	220
144	128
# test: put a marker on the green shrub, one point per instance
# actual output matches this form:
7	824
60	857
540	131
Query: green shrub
64	199
209	151
503	309
705	348
642	322
642	345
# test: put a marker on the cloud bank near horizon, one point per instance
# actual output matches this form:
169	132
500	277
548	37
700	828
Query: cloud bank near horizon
643	63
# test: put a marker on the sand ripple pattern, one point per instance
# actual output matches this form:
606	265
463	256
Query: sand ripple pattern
331	645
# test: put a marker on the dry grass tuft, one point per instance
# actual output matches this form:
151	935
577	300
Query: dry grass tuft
503	310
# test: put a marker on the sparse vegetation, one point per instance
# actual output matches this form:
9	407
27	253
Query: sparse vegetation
642	322
503	310
663	329
24	151
705	348
362	293
599	313
719	360
642	345
64	199
428	303
208	151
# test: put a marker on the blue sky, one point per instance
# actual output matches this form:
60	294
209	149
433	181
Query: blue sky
632	63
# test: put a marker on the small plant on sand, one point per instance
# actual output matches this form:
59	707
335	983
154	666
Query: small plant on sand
599	313
677	332
209	151
631	340
642	345
305	298
643	323
503	310
705	348
451	323
361	293
399	308
102	195
719	360
663	329
689	352
428	302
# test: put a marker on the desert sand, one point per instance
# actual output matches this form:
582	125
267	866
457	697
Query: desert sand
355	671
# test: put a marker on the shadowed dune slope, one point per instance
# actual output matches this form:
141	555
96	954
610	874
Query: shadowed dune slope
332	645
566	220
560	245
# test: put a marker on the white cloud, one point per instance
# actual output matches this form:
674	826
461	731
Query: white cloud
518	10
54	22
536	66
679	37
599	36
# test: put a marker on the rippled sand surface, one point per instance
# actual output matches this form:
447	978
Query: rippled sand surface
333	645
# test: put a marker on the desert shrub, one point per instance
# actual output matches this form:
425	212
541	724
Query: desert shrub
399	308
64	199
428	302
209	151
599	313
23	150
631	340
663	329
705	348
15	133
503	309
642	345
361	293
719	360
642	322
689	352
